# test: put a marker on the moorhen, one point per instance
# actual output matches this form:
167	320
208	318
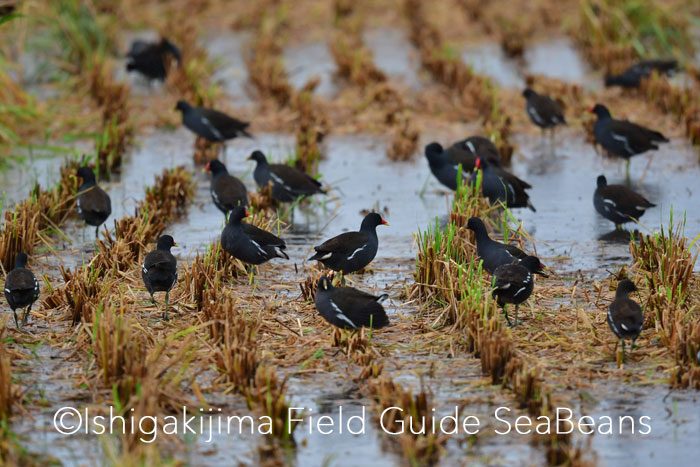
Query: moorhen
632	76
625	316
148	58
543	111
94	204
349	308
21	288
618	203
159	270
513	283
500	186
210	124
226	190
351	251
622	137
446	169
249	243
473	147
493	253
288	183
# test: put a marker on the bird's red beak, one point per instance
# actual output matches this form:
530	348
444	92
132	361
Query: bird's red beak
206	167
384	222
247	213
590	110
174	244
478	162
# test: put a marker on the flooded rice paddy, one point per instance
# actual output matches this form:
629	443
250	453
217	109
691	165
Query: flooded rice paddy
566	233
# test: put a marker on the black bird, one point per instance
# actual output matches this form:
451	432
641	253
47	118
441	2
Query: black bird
21	288
349	308
351	251
622	137
493	253
210	124
148	58
288	183
94	204
226	190
513	283
625	316
445	169
159	270
473	147
499	185
632	76
618	203
249	243
543	111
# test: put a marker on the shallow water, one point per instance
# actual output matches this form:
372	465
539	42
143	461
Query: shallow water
308	61
394	55
558	58
489	60
225	49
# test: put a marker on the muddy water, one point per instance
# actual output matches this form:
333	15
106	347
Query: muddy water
394	55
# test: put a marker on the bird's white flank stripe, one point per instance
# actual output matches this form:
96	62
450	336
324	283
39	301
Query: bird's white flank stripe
356	252
622	325
213	129
533	113
624	140
257	245
609	201
470	146
279	181
341	315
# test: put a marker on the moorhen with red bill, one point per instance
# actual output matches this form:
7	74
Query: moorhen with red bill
500	186
226	190
623	138
94	204
351	251
210	124
148	58
21	288
543	111
514	283
159	270
618	203
493	253
349	308
625	316
288	183
632	76
248	243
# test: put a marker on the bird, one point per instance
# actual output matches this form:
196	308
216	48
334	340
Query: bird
623	138
21	288
94	204
494	254
149	58
445	169
513	283
543	111
249	243
500	186
349	308
159	270
618	203
476	146
625	316
226	190
288	183
351	251
210	124
632	76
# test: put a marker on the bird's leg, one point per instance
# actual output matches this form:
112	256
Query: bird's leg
623	350
16	322
26	315
634	344
627	170
97	233
342	278
618	226
167	297
153	300
516	322
505	313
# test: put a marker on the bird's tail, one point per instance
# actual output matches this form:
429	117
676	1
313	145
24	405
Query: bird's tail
281	253
529	205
